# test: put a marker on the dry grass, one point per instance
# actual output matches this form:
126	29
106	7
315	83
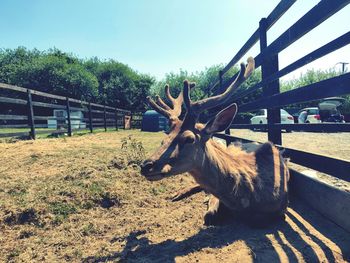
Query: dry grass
81	199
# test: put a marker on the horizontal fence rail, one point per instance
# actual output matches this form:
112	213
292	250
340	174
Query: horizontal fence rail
38	105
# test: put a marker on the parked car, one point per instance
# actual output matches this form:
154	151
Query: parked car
309	115
329	111
325	112
261	117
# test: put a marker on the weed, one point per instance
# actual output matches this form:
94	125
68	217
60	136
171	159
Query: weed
95	189
17	191
158	190
62	210
88	229
14	253
133	150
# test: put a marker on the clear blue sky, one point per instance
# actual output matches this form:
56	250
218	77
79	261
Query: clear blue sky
159	36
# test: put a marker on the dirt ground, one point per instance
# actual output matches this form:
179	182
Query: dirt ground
82	199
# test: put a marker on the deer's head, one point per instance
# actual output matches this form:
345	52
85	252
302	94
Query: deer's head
184	146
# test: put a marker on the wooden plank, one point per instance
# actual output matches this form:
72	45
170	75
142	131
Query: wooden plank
13	101
44	118
14	126
336	167
47	95
48	105
310	127
90	118
97	111
14	134
340	86
52	131
68	118
13	117
116	120
104	118
269	66
102	106
31	115
332	202
12	87
77	109
79	101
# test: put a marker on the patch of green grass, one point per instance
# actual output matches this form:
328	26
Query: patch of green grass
88	229
95	189
13	254
158	190
61	210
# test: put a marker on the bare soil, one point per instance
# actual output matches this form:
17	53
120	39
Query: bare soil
82	199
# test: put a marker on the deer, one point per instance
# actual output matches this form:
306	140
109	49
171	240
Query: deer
251	185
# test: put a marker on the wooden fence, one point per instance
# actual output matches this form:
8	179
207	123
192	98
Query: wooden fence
23	108
330	201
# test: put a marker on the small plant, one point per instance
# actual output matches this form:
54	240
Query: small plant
61	211
88	229
133	151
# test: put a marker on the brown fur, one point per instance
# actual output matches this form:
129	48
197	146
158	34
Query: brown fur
253	183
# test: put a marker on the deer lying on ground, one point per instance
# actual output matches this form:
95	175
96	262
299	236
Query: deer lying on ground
250	184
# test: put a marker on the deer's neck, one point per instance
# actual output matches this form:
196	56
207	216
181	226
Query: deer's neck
225	172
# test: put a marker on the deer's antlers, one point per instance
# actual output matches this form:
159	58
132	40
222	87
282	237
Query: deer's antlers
195	108
173	111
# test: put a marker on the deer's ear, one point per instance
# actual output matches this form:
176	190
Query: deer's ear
222	120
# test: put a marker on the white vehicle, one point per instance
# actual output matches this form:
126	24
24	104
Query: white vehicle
261	118
309	115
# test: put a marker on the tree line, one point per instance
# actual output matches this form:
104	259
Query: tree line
102	81
116	84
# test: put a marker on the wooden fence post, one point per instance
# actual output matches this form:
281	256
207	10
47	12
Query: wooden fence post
68	117
104	117
116	119
31	115
227	131
90	118
268	67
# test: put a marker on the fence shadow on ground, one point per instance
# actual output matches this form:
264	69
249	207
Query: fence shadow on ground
309	237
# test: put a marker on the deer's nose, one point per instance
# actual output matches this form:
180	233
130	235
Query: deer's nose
146	166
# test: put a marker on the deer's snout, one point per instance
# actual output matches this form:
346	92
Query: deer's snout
146	167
